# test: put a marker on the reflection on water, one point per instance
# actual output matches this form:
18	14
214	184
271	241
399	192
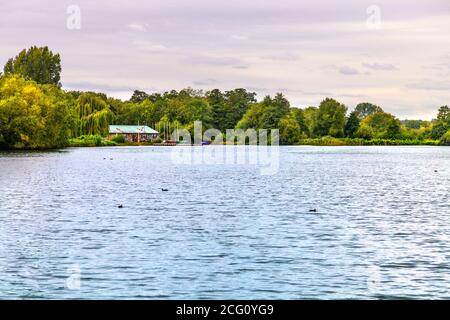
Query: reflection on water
380	229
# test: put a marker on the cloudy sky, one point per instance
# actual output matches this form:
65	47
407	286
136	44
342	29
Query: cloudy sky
392	53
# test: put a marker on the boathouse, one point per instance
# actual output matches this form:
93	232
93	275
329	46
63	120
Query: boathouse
133	133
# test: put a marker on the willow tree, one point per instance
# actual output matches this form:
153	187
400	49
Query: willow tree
94	114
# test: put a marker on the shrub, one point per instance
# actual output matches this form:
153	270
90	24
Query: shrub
108	143
120	138
90	141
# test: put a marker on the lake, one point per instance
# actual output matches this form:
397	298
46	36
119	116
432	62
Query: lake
328	223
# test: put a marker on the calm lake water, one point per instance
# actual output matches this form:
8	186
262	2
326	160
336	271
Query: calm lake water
381	227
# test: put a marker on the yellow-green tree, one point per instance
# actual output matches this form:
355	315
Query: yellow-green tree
380	125
33	116
290	132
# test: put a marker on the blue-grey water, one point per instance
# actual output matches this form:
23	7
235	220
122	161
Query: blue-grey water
381	228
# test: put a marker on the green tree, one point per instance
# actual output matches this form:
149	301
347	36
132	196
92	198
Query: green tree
442	124
229	107
136	113
310	115
38	64
444	115
176	110
199	110
352	125
237	102
438	130
383	126
299	116
393	130
366	109
216	100
139	96
289	130
273	111
330	119
265	114
252	118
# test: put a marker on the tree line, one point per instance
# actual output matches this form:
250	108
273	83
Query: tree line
35	113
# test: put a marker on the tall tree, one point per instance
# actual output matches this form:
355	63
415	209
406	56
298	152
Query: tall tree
239	101
229	107
444	114
352	125
139	96
366	109
216	100
252	118
274	110
330	119
299	116
200	110
38	64
442	124
289	130
310	114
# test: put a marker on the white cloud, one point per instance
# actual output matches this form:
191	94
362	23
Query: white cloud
148	46
239	37
137	27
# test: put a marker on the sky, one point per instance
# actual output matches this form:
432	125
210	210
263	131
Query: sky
392	53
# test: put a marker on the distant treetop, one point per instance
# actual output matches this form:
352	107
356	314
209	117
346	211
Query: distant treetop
38	64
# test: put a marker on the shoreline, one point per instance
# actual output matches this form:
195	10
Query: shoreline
192	145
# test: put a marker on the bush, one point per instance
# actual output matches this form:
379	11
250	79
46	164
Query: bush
120	138
108	143
90	141
157	140
327	141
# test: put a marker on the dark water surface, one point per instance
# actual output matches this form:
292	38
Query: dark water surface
381	230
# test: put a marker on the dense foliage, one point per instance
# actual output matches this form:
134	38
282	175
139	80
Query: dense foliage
38	64
94	115
32	115
35	113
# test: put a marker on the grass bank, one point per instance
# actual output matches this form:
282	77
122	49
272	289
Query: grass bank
98	141
91	141
330	141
